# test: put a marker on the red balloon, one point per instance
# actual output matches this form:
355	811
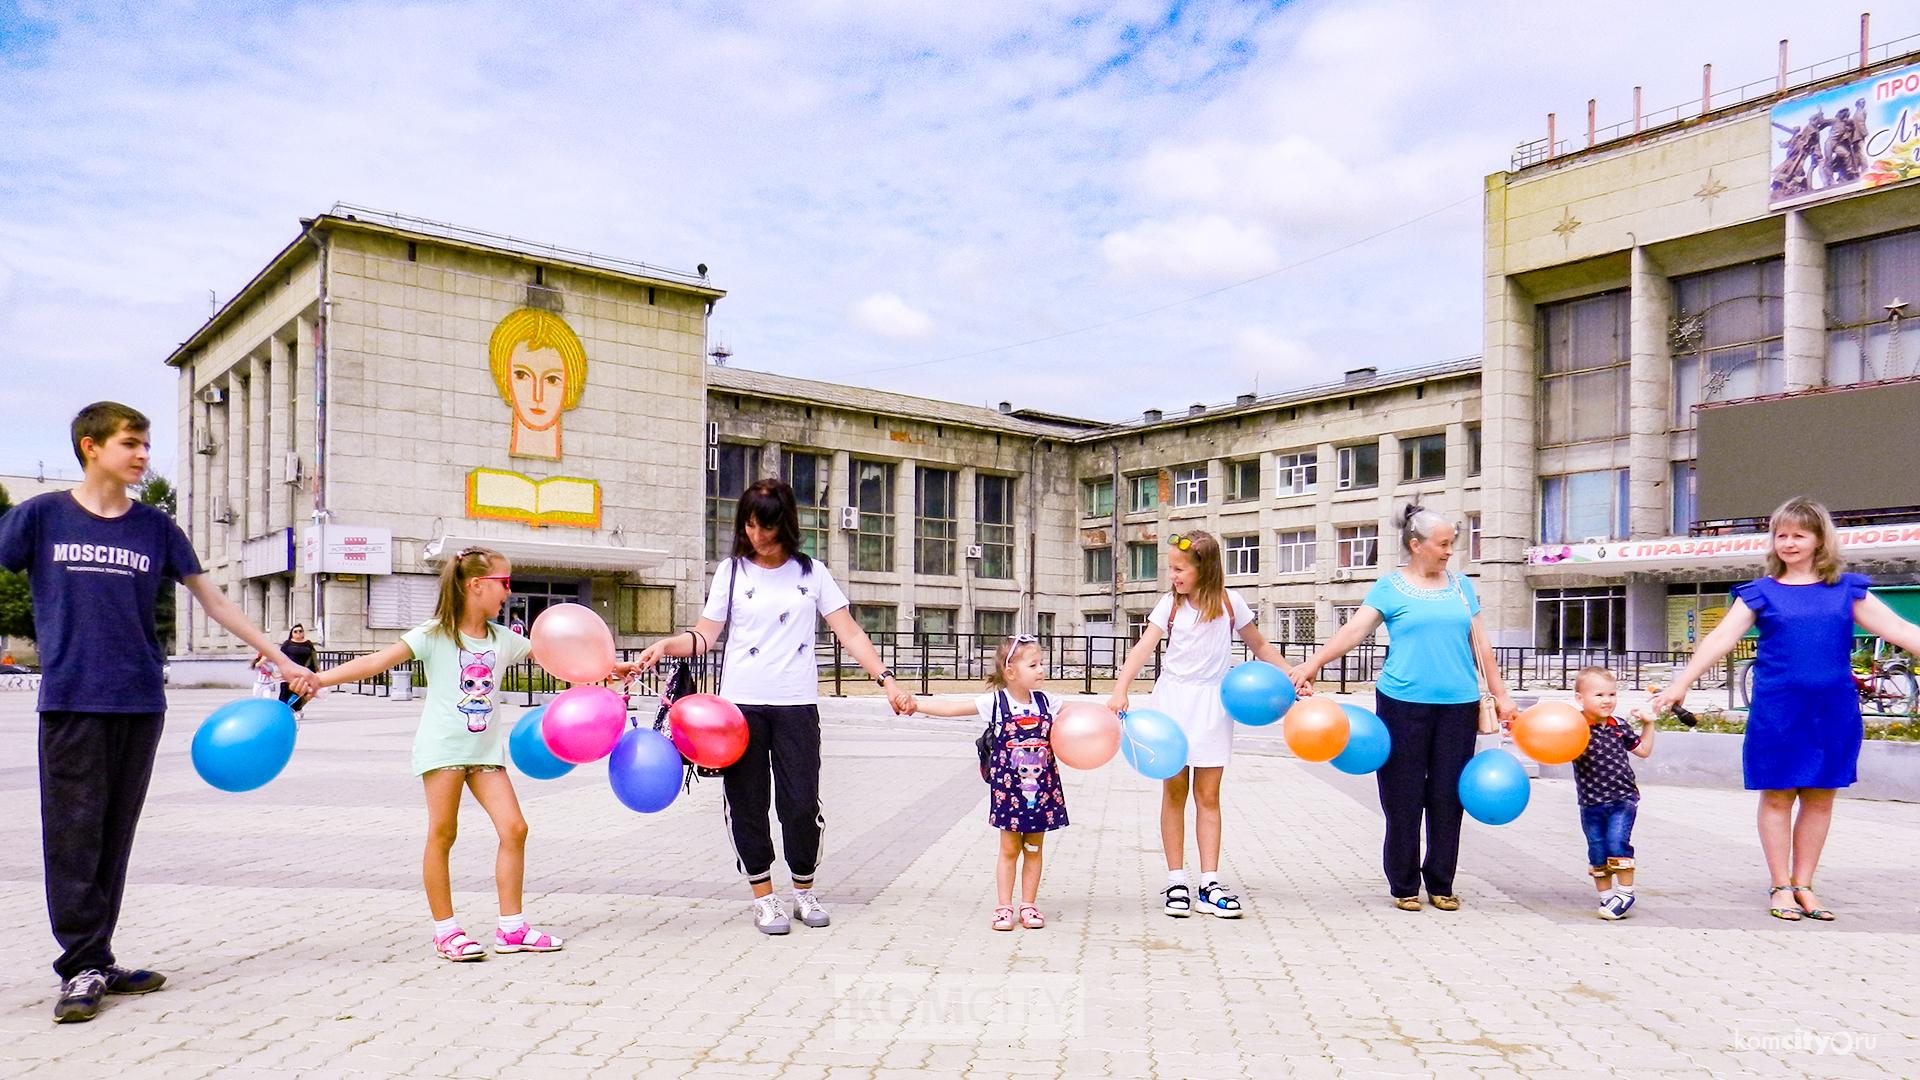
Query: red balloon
711	731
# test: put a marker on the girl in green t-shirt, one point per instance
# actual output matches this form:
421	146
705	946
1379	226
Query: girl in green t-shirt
459	744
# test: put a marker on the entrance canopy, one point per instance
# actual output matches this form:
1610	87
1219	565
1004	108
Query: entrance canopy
552	555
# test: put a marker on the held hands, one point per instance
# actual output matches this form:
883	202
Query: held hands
648	658
1302	675
902	701
304	682
1664	701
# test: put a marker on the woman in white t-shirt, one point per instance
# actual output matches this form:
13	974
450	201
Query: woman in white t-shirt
768	597
1198	619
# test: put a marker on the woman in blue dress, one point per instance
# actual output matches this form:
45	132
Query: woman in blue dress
1803	724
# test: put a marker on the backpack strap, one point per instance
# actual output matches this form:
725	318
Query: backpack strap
1040	702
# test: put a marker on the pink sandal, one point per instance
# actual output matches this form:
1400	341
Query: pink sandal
1031	918
457	946
525	939
1003	918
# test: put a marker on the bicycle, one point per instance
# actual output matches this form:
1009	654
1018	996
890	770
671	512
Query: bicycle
1886	683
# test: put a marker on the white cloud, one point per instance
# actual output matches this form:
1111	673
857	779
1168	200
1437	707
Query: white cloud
1205	248
885	314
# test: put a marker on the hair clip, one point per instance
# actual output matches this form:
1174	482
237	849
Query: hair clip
1182	542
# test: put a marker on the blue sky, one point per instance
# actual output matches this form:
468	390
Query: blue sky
881	185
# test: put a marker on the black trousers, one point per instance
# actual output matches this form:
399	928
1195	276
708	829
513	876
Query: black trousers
1431	745
94	769
781	770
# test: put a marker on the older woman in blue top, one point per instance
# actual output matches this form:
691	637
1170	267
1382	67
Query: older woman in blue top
1803	724
1428	695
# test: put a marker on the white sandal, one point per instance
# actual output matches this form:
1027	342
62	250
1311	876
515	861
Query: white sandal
457	946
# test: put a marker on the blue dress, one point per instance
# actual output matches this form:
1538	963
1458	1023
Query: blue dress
1803	724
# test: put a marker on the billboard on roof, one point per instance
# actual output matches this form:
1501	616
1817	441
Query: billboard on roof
1848	138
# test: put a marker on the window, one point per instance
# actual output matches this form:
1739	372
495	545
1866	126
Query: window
993	625
1584	505
1473	450
1143	493
1096	497
1359	466
1343	613
1241	554
1569	620
1298	551
935	529
1423	457
1865	279
1685	494
1243	480
1583	369
807	475
1694	610
1297	474
1293	624
1096	565
873	499
1726	336
993	525
1190	485
935	624
877	618
646	609
732	471
1044	624
1136	624
1143	562
1357	546
1473	537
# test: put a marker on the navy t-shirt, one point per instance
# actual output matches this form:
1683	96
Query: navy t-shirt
94	584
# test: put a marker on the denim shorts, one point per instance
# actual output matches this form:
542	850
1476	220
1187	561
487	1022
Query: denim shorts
1609	829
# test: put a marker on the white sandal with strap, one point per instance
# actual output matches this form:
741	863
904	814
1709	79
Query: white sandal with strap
457	946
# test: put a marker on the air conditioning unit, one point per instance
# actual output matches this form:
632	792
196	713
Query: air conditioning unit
213	395
849	517
1344	573
293	467
204	444
222	510
973	551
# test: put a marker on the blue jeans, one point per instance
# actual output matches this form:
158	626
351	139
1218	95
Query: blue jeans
1609	829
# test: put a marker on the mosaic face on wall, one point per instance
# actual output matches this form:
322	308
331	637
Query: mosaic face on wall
540	369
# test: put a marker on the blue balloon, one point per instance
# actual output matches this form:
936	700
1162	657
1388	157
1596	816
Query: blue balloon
1368	743
1256	693
644	770
1152	743
530	751
244	744
1494	787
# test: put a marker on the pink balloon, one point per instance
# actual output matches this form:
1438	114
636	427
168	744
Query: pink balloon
573	644
1086	734
583	723
709	730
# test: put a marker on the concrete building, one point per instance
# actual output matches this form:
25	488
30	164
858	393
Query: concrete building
387	391
1714	271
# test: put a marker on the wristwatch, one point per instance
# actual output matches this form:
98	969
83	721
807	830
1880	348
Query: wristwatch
883	676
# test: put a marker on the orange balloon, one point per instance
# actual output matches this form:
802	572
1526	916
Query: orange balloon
1086	734
1551	733
1316	729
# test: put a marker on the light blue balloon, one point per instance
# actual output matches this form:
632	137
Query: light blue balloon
244	743
1153	744
1256	693
644	770
1368	742
1494	787
529	748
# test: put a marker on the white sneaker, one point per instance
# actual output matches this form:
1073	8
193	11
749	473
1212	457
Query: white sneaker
770	915
809	908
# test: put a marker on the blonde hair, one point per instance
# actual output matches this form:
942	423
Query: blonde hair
1593	671
537	329
1002	656
1209	595
470	563
1811	516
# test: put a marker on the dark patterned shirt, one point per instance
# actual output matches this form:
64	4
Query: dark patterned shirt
1603	774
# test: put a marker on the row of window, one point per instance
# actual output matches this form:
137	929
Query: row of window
1422	457
936	526
1295	551
1725	335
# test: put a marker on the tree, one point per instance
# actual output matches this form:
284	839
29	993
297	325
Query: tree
157	491
16	601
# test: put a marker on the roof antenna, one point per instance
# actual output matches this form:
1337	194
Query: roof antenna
213	308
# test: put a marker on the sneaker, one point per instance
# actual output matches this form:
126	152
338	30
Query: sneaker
525	939
1218	901
133	981
809	909
80	998
770	915
1178	902
1617	905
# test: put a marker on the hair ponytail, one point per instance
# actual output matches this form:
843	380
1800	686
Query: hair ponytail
470	563
1417	523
